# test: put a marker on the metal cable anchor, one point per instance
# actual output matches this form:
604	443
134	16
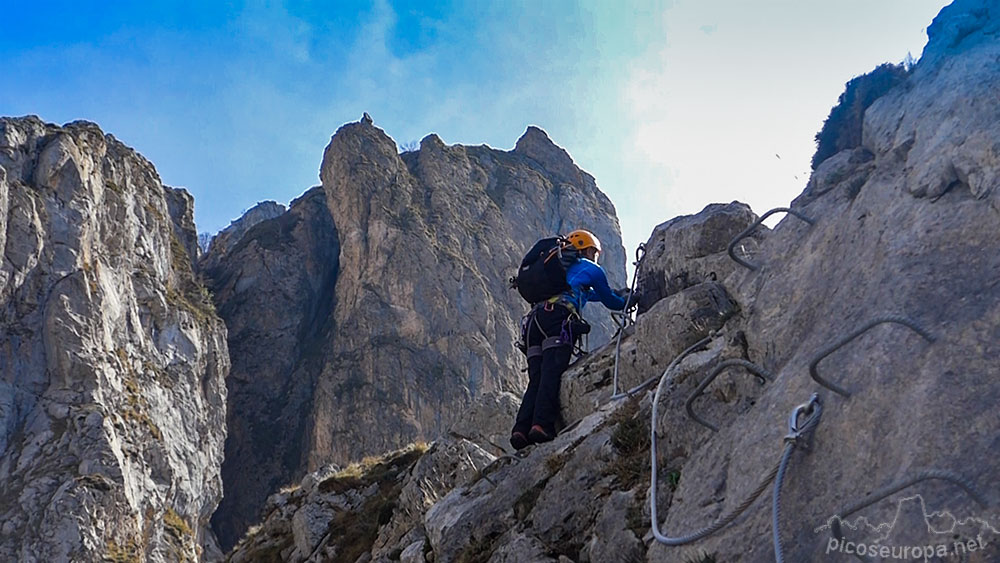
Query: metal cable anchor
746	232
809	409
897	319
810	412
758	371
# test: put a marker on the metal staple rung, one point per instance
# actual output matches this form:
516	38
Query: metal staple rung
926	475
897	319
746	232
750	366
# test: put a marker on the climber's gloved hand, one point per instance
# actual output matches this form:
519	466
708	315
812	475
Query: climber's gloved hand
632	299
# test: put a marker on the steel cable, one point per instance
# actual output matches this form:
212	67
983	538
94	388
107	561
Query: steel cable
640	253
739	509
673	363
812	410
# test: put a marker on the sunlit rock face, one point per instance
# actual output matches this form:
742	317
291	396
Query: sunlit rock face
112	360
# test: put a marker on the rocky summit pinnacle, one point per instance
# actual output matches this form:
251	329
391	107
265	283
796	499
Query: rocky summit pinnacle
376	310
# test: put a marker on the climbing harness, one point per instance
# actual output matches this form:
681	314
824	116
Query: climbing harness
640	253
897	319
811	410
796	430
762	374
746	232
573	326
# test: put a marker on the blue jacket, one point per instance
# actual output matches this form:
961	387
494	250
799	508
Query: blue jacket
588	282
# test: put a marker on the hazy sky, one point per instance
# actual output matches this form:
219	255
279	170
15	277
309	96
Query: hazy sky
670	105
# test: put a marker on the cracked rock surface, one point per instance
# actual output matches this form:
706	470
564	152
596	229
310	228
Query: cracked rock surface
112	360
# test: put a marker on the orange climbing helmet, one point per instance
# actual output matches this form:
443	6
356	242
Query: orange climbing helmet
581	239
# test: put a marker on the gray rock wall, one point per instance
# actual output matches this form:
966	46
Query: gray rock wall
223	241
909	229
112	360
424	321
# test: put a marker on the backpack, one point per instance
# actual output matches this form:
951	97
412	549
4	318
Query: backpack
542	274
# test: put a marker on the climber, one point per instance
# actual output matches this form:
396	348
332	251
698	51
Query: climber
549	332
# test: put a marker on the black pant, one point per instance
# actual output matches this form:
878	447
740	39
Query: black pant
540	404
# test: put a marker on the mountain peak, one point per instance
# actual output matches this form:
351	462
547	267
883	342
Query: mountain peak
536	145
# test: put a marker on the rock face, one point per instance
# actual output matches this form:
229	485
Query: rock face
426	247
909	230
375	312
112	360
691	249
904	225
275	290
221	243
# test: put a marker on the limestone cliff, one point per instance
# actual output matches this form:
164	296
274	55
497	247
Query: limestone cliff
904	224
376	310
112	360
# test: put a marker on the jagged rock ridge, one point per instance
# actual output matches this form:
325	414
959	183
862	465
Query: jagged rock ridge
226	238
376	310
112	397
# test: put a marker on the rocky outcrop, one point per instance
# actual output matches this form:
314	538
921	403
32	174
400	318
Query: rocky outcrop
427	244
367	510
375	312
691	249
221	243
112	397
913	238
903	225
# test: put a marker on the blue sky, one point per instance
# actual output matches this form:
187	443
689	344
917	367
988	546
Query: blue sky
670	105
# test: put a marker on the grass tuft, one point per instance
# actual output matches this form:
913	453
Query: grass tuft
630	438
176	525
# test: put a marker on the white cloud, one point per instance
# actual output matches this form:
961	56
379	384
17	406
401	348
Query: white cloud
730	113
